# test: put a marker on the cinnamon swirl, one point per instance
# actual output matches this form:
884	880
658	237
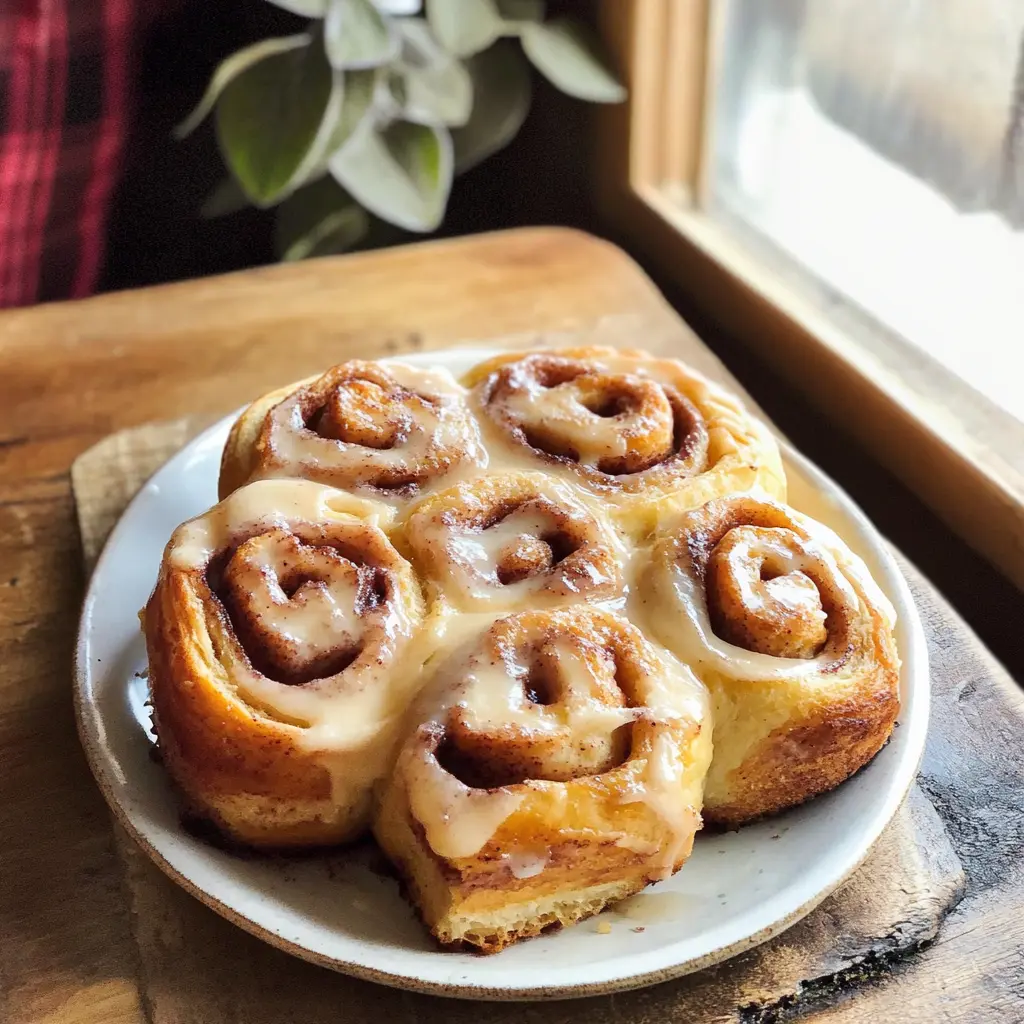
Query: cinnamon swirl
557	766
794	640
282	647
386	430
645	434
505	542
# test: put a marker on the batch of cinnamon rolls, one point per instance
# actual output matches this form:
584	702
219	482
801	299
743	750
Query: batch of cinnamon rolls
531	628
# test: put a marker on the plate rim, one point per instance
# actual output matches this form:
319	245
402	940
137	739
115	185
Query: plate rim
917	680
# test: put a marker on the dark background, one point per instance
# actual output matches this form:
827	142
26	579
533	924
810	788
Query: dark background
155	229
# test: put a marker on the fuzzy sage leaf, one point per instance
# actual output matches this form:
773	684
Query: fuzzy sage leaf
465	27
501	100
227	197
403	173
270	117
229	69
318	220
357	35
564	52
307	8
522	10
434	87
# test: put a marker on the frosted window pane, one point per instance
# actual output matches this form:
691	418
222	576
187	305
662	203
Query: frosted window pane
881	145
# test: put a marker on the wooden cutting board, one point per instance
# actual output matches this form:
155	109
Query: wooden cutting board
89	931
893	904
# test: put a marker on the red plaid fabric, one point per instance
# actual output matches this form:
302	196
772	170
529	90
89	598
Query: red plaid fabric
65	81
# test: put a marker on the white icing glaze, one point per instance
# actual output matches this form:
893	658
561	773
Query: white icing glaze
789	587
458	821
319	617
526	864
466	559
267	503
340	712
592	437
490	698
494	697
416	431
696	643
663	789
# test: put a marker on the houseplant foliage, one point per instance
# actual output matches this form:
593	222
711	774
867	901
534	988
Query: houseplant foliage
376	106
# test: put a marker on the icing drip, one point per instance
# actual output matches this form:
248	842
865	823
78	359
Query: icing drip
813	583
551	698
317	596
505	540
386	427
612	418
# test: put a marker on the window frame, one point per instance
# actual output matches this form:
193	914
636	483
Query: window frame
896	401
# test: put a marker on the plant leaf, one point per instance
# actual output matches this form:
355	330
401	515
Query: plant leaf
434	87
307	8
521	10
359	88
403	174
357	35
566	54
227	197
229	69
399	8
270	117
316	220
438	95
419	46
501	101
352	95
464	27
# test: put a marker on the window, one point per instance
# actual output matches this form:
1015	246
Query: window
840	183
880	146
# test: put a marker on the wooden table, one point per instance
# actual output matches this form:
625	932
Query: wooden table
70	374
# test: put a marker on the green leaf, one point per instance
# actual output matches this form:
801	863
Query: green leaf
501	101
465	27
357	35
566	54
438	95
229	69
433	86
359	88
307	8
227	197
270	117
352	95
521	10
319	219
402	174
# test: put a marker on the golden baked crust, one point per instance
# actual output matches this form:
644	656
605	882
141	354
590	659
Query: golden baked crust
383	430
556	765
646	435
273	734
794	640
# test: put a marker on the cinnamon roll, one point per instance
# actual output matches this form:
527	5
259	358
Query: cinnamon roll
645	434
282	647
387	430
794	640
555	764
514	540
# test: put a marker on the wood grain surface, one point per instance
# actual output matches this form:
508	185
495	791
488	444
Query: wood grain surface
81	940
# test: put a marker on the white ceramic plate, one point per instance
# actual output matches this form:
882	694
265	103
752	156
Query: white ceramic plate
737	890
